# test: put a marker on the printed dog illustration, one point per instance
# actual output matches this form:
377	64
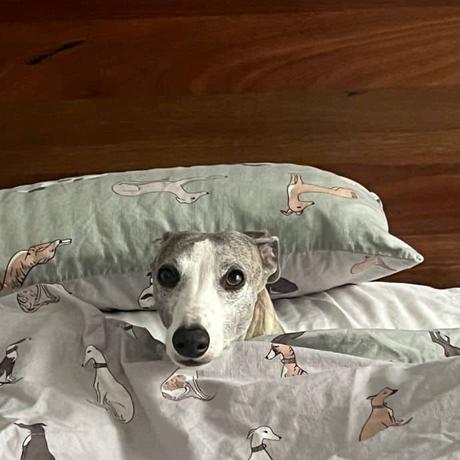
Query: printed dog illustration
164	186
145	299
110	393
256	437
381	416
449	349
45	185
286	352
8	362
296	187
35	446
182	384
282	286
31	299
24	261
368	262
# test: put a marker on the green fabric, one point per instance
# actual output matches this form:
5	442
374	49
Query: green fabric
114	233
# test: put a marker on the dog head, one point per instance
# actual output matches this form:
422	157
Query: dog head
384	393
205	286
263	433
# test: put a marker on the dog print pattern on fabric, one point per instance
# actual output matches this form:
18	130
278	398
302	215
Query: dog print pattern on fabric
9	361
449	349
369	262
256	437
296	187
183	384
381	416
35	446
32	298
280	348
145	299
164	186
45	185
25	260
282	286
110	393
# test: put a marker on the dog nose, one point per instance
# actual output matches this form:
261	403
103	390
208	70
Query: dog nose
191	342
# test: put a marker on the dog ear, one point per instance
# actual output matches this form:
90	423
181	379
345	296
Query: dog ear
269	250
371	397
251	432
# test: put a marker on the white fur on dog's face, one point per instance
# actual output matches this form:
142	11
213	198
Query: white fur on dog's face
200	298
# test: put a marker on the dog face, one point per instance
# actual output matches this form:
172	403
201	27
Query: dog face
263	433
383	394
205	286
190	197
278	349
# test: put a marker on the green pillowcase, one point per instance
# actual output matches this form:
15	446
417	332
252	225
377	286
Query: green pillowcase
96	234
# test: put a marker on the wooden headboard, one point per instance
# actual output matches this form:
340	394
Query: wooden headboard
162	85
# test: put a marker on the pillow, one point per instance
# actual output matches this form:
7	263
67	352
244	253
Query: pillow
96	234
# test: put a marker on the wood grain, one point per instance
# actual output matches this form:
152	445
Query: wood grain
202	54
402	143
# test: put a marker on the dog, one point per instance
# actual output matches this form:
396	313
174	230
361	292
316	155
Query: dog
382	416
182	384
110	393
256	437
449	349
8	362
164	186
25	260
296	187
210	290
286	352
35	446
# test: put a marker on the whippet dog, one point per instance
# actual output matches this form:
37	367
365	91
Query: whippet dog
35	446
256	437
381	416
210	291
25	260
110	393
297	187
8	363
286	352
164	186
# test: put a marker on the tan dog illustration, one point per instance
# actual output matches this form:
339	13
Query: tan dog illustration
31	299
286	352
381	416
164	186
449	349
296	187
24	261
182	384
256	437
110	393
368	262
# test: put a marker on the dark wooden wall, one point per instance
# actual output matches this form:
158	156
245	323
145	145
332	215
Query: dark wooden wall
367	89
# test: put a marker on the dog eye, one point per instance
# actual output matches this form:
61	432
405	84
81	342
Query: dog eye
234	279
168	276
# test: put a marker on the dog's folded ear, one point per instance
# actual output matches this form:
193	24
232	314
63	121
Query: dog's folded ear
269	250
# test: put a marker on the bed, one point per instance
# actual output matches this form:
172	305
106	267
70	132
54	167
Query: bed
366	370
